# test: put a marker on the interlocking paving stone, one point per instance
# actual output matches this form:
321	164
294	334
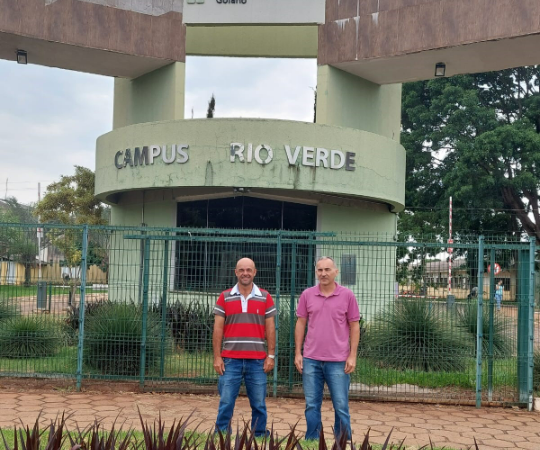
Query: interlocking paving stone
450	426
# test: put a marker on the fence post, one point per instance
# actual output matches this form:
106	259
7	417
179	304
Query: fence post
479	321
164	306
278	287
80	345
532	252
146	277
524	345
292	315
312	248
491	321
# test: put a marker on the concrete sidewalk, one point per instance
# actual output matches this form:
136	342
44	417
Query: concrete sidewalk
449	426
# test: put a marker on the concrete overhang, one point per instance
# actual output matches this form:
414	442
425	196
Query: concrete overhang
471	58
80	59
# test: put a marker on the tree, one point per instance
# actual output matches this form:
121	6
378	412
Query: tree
475	138
211	108
71	201
19	244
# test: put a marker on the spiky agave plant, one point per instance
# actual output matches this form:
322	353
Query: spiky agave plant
7	311
113	339
468	320
414	335
30	337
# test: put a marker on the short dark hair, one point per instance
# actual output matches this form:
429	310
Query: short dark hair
326	257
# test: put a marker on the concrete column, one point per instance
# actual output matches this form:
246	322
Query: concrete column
350	101
153	97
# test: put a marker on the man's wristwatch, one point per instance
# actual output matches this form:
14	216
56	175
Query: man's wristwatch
271	356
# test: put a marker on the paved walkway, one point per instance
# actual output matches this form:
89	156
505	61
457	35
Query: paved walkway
449	426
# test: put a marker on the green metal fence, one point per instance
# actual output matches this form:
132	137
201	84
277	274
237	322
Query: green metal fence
119	303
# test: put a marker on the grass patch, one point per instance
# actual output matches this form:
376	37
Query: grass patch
8	291
64	362
199	368
504	375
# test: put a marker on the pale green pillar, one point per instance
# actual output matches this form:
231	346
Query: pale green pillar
155	96
350	101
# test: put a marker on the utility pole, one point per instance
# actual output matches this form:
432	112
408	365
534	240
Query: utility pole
39	235
450	250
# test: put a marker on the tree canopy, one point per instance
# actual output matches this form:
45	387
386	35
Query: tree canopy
475	138
71	200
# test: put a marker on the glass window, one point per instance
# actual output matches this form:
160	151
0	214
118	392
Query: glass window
209	266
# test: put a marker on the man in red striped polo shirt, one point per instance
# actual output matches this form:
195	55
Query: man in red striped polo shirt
244	315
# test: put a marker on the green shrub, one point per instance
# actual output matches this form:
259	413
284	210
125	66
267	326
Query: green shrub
191	325
468	320
113	337
413	335
90	308
30	337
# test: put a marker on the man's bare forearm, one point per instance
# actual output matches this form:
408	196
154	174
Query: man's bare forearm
299	332
217	337
271	335
355	337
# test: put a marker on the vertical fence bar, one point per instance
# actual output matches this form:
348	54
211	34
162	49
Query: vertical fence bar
491	321
480	318
292	314
278	287
312	248
164	306
80	345
146	277
532	252
523	325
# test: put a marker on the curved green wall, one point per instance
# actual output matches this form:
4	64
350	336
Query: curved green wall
374	169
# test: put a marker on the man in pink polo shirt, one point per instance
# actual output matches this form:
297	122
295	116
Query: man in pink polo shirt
332	315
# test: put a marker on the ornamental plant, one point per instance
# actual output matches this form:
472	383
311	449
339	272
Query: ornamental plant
114	337
412	334
30	337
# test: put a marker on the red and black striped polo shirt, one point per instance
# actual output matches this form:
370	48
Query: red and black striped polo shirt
244	332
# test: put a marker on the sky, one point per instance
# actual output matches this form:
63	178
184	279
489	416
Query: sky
50	118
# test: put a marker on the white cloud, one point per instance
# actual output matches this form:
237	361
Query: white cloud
50	118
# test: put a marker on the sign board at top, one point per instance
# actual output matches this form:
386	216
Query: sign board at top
263	12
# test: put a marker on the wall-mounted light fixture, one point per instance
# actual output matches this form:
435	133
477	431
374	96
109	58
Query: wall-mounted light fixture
440	69
22	57
241	190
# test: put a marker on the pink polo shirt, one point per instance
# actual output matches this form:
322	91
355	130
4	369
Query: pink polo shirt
328	322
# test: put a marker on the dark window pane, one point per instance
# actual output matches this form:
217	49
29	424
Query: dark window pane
192	214
225	213
297	217
262	214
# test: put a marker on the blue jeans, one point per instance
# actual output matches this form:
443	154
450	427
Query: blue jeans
498	299
251	371
314	374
